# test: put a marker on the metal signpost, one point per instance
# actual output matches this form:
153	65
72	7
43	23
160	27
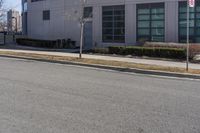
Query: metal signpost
190	4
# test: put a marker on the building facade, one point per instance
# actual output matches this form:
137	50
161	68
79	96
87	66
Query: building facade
14	21
112	22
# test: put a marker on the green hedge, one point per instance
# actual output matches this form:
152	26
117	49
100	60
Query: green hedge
176	53
36	42
46	43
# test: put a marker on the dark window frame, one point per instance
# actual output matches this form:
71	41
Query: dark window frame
193	38
46	15
150	6
36	0
116	15
88	12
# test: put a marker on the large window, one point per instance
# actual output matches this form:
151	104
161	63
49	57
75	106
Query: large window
24	6
36	0
113	22
150	22
24	17
194	22
87	12
46	15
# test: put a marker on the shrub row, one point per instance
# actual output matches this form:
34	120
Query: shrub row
100	50
46	43
176	53
194	47
164	45
194	50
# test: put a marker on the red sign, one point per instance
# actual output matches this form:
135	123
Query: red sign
191	3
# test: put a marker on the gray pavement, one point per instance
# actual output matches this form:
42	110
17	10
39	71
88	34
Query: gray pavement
38	97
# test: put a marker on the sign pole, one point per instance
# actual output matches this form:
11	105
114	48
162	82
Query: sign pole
188	34
190	4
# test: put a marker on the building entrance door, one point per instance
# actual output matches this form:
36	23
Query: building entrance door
88	37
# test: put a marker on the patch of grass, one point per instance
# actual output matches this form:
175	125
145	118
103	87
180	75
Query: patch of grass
97	62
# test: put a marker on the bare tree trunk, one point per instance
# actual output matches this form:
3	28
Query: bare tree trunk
82	27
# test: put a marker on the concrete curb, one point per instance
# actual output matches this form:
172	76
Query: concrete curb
120	69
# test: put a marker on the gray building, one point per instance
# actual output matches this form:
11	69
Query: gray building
113	22
14	21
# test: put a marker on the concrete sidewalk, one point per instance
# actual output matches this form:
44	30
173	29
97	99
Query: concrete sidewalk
110	58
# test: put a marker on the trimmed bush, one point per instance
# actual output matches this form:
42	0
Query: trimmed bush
45	43
164	45
100	50
194	50
194	47
176	53
36	42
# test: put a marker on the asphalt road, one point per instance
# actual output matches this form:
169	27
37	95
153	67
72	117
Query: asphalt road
38	97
